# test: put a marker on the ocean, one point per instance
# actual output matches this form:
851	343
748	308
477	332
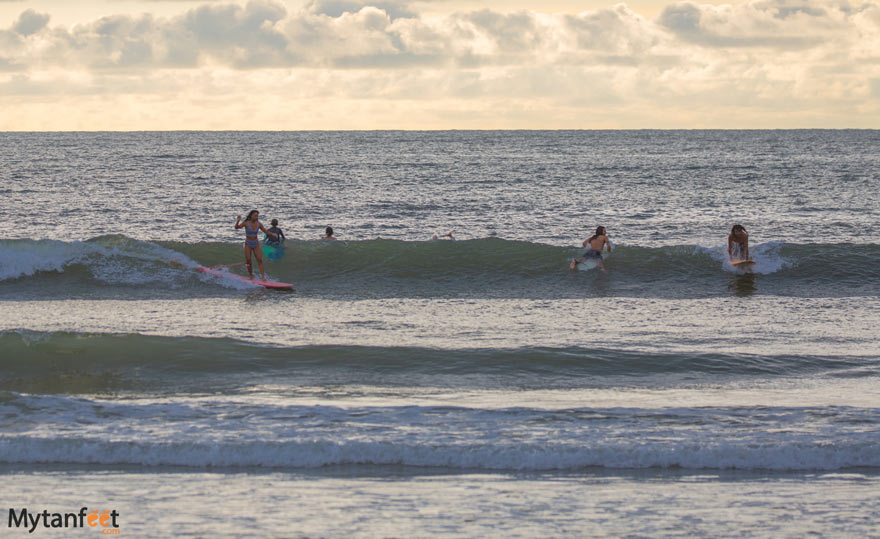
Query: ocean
469	387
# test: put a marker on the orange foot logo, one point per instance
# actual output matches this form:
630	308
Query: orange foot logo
104	519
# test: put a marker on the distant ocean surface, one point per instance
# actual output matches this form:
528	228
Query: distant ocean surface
412	387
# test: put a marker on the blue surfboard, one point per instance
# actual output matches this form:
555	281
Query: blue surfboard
273	252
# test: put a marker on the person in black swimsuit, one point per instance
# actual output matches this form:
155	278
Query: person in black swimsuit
277	238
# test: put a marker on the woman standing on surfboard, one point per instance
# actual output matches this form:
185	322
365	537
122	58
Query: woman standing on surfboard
252	227
738	244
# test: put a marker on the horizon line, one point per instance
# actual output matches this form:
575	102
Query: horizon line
440	130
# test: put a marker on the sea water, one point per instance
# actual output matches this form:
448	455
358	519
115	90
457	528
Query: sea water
411	387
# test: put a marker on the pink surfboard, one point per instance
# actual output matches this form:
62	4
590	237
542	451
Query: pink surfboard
265	284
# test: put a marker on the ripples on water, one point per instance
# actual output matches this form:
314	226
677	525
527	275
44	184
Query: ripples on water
648	187
395	356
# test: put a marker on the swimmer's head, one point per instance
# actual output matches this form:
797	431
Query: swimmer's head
738	229
251	213
274	222
328	231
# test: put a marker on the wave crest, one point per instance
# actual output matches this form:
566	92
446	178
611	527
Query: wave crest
442	268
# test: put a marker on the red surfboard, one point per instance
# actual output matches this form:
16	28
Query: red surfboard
265	284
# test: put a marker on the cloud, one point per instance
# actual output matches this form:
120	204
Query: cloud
245	38
779	24
336	8
241	37
694	61
30	22
349	34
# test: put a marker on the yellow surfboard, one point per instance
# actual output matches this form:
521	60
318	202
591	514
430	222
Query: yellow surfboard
743	263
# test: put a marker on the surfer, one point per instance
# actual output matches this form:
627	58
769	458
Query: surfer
596	242
279	234
738	243
252	227
328	234
448	235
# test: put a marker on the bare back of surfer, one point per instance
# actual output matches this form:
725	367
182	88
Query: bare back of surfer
252	227
595	242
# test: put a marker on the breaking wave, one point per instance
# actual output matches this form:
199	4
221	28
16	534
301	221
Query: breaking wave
482	267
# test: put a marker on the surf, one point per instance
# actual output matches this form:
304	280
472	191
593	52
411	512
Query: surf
69	362
274	433
473	268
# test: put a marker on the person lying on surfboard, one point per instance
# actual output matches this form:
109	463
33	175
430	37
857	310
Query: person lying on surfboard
252	227
596	242
279	235
738	244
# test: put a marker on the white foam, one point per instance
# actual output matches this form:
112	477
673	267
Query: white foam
124	261
766	256
242	432
324	452
22	258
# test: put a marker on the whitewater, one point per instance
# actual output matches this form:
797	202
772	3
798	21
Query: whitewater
467	387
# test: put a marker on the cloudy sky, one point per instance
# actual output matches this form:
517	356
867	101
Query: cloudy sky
438	64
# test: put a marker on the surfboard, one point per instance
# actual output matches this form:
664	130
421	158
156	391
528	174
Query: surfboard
273	252
588	264
743	263
593	263
259	282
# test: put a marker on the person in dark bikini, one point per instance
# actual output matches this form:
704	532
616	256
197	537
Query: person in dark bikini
738	244
596	242
252	227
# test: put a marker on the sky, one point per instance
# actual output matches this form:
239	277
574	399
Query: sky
438	64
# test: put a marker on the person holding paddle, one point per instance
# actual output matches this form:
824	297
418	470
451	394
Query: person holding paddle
252	227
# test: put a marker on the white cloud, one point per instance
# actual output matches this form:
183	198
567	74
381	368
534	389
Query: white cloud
344	33
335	8
780	24
758	59
30	22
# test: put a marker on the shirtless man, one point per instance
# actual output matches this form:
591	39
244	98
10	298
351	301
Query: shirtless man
596	242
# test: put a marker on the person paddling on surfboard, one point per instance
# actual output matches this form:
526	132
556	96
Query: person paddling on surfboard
596	242
252	227
738	244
